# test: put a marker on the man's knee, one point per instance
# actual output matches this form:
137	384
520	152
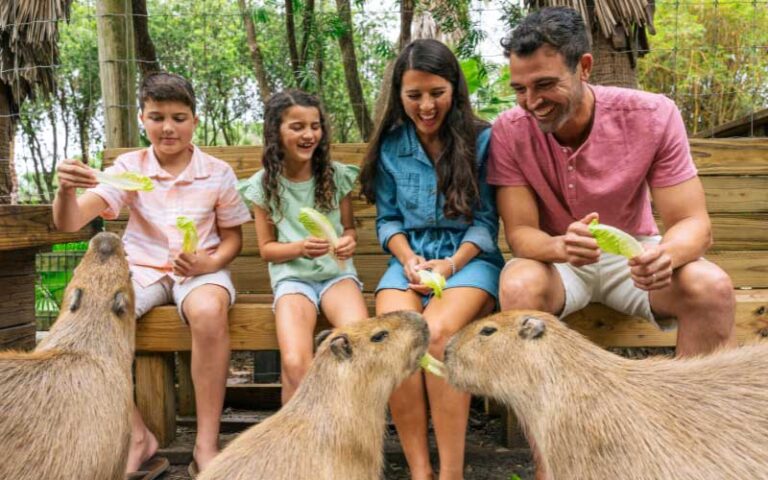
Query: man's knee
524	285
706	286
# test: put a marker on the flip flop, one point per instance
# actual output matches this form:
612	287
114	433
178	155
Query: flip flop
150	470
192	470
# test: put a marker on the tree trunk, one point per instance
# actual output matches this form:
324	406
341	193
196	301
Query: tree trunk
145	48
354	86
611	67
7	132
307	25
406	23
117	72
265	87
290	33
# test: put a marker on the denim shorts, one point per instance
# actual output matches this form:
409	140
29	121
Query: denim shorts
314	291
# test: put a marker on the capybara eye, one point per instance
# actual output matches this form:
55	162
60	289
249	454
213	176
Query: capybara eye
487	331
380	336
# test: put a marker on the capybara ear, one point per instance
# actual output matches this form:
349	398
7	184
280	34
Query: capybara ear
119	304
532	327
74	301
322	336
341	348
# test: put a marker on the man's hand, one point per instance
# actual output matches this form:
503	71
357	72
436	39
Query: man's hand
194	264
580	246
74	174
345	248
314	247
652	269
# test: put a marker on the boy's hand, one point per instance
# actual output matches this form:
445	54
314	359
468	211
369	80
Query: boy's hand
345	248
580	245
314	247
652	269
193	264
75	174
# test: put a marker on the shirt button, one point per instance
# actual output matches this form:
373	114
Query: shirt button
570	168
565	150
570	185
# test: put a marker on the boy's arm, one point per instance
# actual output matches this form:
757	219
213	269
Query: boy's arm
71	213
230	246
278	252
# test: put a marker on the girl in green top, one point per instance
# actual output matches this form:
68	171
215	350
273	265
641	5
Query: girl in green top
307	274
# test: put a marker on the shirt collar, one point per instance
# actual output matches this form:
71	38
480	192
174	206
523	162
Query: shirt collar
196	169
411	146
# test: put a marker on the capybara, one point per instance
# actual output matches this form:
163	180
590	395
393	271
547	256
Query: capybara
595	415
333	428
65	407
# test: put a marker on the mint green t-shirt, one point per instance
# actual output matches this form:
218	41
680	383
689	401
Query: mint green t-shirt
293	196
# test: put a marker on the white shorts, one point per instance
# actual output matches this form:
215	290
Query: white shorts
165	291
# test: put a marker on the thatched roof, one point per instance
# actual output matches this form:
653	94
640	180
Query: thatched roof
28	45
614	17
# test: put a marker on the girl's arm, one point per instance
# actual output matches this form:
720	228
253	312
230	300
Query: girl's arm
278	252
348	241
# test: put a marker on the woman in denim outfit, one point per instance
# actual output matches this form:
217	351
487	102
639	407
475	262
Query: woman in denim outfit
425	171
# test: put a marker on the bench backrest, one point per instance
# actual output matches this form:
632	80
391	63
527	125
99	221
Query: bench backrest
734	173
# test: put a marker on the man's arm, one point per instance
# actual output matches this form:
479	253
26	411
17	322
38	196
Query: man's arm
520	215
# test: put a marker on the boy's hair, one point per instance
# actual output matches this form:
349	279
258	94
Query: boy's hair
273	155
561	27
166	87
456	169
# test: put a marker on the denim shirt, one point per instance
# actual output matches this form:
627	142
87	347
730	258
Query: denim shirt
408	201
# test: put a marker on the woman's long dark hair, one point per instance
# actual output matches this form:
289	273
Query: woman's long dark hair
272	158
455	167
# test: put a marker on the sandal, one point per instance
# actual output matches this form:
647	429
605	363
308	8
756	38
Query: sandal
150	470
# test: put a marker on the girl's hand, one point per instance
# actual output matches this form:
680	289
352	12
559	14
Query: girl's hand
75	174
314	247
345	248
194	264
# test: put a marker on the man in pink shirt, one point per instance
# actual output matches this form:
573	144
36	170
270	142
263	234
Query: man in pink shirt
572	152
187	182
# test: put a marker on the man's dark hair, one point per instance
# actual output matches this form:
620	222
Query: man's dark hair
561	27
166	87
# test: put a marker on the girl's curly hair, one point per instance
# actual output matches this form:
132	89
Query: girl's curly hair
272	158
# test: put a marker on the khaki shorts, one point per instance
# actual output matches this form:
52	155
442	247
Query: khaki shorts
165	291
608	282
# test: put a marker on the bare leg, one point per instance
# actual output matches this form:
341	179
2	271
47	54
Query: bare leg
343	304
205	308
295	319
143	443
701	297
450	407
408	404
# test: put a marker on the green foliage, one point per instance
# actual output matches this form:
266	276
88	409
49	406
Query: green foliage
488	86
709	57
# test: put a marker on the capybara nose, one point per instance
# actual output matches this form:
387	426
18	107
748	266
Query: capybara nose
106	244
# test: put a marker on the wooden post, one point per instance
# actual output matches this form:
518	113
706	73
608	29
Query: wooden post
186	390
155	396
117	69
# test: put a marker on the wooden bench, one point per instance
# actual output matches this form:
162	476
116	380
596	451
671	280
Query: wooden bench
735	177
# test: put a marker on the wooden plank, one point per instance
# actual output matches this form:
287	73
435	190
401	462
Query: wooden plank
154	394
253	396
17	300
252	326
19	337
185	389
735	194
735	156
23	226
739	156
14	263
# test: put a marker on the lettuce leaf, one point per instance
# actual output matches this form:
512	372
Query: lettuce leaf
130	181
432	365
189	230
612	240
433	280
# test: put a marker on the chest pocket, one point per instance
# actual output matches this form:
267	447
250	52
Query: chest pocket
408	190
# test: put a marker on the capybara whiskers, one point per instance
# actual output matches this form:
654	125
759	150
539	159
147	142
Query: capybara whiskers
595	415
333	427
65	407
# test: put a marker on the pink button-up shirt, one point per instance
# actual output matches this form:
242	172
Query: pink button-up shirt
637	140
205	192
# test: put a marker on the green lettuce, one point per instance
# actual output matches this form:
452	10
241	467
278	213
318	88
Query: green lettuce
189	230
432	365
612	240
433	280
319	226
130	181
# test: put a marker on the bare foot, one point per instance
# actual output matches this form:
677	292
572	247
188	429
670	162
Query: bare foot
143	447
204	455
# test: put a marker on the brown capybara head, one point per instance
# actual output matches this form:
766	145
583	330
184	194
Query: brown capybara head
380	352
512	350
101	285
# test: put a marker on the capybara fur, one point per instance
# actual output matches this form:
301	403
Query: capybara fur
65	407
333	428
595	415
